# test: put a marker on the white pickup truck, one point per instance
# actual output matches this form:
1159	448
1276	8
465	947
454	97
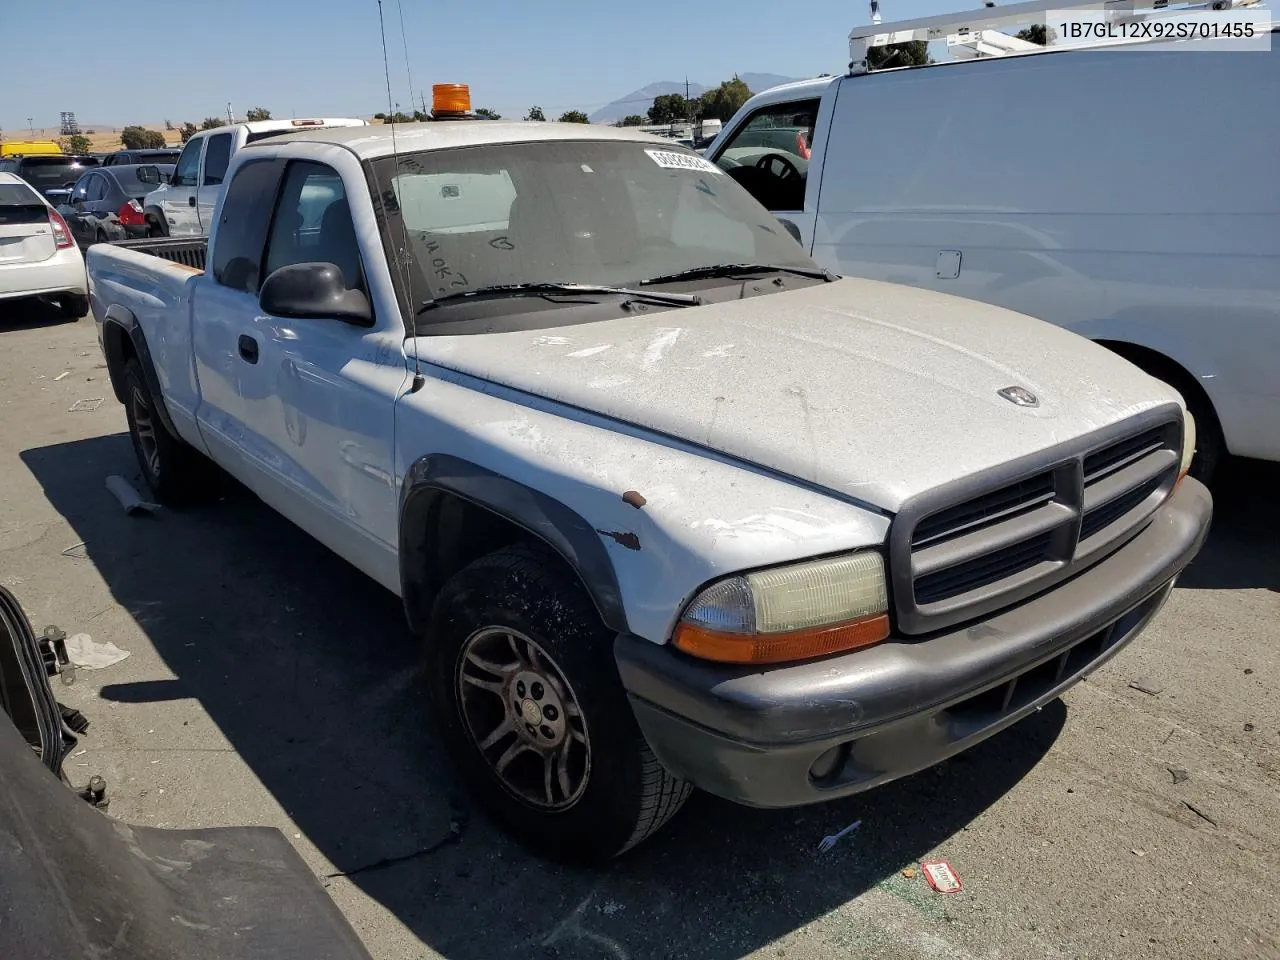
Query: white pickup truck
669	505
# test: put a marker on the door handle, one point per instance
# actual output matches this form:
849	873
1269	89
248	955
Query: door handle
191	201
248	348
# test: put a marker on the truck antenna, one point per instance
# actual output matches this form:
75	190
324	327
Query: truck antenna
406	275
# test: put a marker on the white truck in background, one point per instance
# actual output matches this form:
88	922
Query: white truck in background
183	207
668	504
1128	195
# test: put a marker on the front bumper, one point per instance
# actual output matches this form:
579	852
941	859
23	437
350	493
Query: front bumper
812	731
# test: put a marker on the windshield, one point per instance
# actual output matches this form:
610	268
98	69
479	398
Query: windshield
589	212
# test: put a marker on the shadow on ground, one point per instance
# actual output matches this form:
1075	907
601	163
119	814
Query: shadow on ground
30	313
309	671
1243	550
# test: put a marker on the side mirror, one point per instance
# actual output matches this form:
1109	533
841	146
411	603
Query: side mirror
314	290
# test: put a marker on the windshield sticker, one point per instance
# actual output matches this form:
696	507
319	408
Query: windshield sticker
671	160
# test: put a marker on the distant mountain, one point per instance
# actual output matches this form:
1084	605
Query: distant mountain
639	101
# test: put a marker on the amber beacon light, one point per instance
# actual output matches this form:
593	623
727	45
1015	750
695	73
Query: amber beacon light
450	100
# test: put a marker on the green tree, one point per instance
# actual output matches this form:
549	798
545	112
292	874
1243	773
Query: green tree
420	117
210	122
484	113
725	100
140	138
187	131
257	113
168	124
78	143
535	113
574	116
379	116
670	108
1038	33
633	120
914	53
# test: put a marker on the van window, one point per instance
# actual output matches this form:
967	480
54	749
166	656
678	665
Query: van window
769	153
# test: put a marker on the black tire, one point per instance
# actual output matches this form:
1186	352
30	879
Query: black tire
156	226
73	305
623	794
175	472
101	237
1210	445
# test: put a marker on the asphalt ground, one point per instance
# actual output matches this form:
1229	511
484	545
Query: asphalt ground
270	683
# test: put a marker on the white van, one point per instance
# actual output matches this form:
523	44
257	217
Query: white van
183	207
1130	196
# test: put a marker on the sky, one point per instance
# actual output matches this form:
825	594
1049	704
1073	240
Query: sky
184	61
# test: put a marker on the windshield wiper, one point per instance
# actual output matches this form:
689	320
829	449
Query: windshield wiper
543	289
735	269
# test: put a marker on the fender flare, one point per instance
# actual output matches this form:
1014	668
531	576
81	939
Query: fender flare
561	528
123	319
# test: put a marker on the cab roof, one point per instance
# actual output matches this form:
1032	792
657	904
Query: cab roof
374	141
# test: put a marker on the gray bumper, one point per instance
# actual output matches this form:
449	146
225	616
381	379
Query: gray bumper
804	733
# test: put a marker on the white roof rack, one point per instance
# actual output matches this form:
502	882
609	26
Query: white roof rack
969	34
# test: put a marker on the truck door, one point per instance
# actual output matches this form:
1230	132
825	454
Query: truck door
179	201
326	408
769	155
216	157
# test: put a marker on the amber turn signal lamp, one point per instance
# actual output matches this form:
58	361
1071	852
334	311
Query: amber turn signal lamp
796	645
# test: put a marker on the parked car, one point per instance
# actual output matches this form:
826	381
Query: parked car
38	254
184	206
53	176
166	157
1024	181
106	204
669	504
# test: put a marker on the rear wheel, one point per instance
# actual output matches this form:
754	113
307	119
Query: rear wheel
528	699
175	472
155	226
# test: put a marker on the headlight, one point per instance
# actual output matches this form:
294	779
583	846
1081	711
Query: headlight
1188	442
796	612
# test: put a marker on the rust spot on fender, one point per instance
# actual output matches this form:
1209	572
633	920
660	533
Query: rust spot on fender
622	538
634	498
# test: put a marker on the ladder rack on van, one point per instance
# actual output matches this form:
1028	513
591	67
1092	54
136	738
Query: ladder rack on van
969	33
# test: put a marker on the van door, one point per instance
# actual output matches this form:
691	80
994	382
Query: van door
217	156
179	201
769	154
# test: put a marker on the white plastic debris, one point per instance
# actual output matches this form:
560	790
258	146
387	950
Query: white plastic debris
830	841
129	498
85	406
84	651
64	373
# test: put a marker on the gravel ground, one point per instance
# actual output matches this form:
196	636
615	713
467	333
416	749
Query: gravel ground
269	683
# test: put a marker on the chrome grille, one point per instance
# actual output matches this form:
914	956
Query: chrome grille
992	540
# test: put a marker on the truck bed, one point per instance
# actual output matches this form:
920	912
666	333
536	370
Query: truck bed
188	251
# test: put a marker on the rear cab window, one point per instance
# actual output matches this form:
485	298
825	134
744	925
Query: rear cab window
216	158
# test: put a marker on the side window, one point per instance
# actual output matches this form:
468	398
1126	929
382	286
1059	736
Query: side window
769	153
216	159
96	188
242	228
80	192
184	175
313	223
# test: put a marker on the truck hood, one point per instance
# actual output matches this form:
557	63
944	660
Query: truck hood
873	391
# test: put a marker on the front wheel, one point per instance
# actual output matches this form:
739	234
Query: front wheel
528	699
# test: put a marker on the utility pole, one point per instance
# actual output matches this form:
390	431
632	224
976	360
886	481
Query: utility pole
688	107
231	117
31	125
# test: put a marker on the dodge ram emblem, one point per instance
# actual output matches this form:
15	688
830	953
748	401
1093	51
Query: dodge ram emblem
1020	395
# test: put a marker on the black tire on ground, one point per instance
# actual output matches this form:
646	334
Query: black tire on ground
1210	446
175	472
73	305
523	631
101	237
156	227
